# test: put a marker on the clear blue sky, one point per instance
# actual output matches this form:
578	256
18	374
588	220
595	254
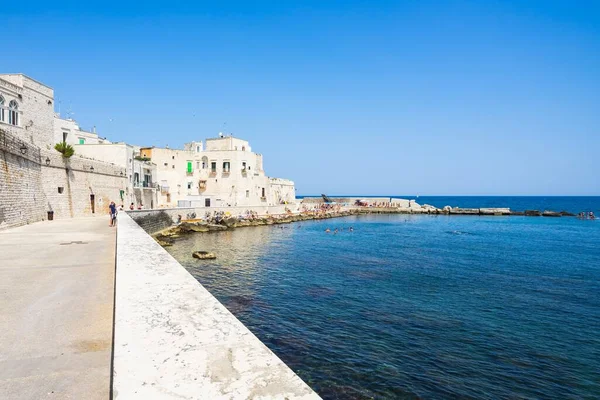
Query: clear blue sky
344	97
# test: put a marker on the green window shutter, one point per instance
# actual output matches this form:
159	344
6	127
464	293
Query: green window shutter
81	141
189	169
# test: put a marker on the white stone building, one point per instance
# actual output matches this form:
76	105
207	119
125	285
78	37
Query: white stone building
68	131
35	179
141	189
225	172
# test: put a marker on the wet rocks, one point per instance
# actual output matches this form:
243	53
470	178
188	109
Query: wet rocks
566	214
464	211
163	243
204	255
533	213
494	211
194	227
214	228
551	214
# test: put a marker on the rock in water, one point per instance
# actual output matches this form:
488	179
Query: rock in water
551	214
204	255
533	213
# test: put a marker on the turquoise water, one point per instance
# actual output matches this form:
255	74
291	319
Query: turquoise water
418	306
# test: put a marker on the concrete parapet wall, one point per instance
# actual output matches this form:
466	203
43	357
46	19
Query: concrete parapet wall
174	340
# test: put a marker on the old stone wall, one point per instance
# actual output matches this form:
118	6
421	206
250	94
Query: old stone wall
77	186
21	196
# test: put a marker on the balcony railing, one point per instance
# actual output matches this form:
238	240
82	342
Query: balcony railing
189	173
226	171
150	185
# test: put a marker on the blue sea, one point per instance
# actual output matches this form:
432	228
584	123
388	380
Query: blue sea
431	307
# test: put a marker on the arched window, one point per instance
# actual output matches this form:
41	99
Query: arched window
13	113
1	108
204	162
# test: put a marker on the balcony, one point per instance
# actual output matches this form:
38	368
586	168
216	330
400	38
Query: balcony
226	171
146	185
213	172
244	171
202	185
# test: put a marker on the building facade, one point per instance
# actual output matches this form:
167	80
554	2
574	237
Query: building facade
35	179
224	172
68	131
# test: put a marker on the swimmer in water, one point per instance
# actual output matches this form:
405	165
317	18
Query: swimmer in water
327	230
351	229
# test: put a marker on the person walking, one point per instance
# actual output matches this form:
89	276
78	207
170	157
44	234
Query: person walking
113	213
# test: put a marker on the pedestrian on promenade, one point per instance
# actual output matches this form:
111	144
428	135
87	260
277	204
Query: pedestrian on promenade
131	207
113	213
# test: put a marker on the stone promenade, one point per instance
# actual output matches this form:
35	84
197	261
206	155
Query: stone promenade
56	318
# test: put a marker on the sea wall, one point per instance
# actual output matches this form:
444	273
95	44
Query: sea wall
174	340
156	220
21	197
34	181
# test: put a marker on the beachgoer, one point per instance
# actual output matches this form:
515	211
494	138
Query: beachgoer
351	229
132	207
327	230
113	213
140	206
121	207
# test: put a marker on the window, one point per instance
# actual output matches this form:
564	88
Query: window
197	164
190	170
166	164
61	189
1	109
226	166
243	148
247	193
204	162
197	149
173	157
213	167
263	193
243	166
13	113
173	166
202	184
189	185
81	141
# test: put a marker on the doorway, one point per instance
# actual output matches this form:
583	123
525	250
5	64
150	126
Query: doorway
93	203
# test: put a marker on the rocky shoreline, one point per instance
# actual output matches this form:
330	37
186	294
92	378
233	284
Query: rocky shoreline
166	236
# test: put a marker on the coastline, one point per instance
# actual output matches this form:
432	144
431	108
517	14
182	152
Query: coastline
225	220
